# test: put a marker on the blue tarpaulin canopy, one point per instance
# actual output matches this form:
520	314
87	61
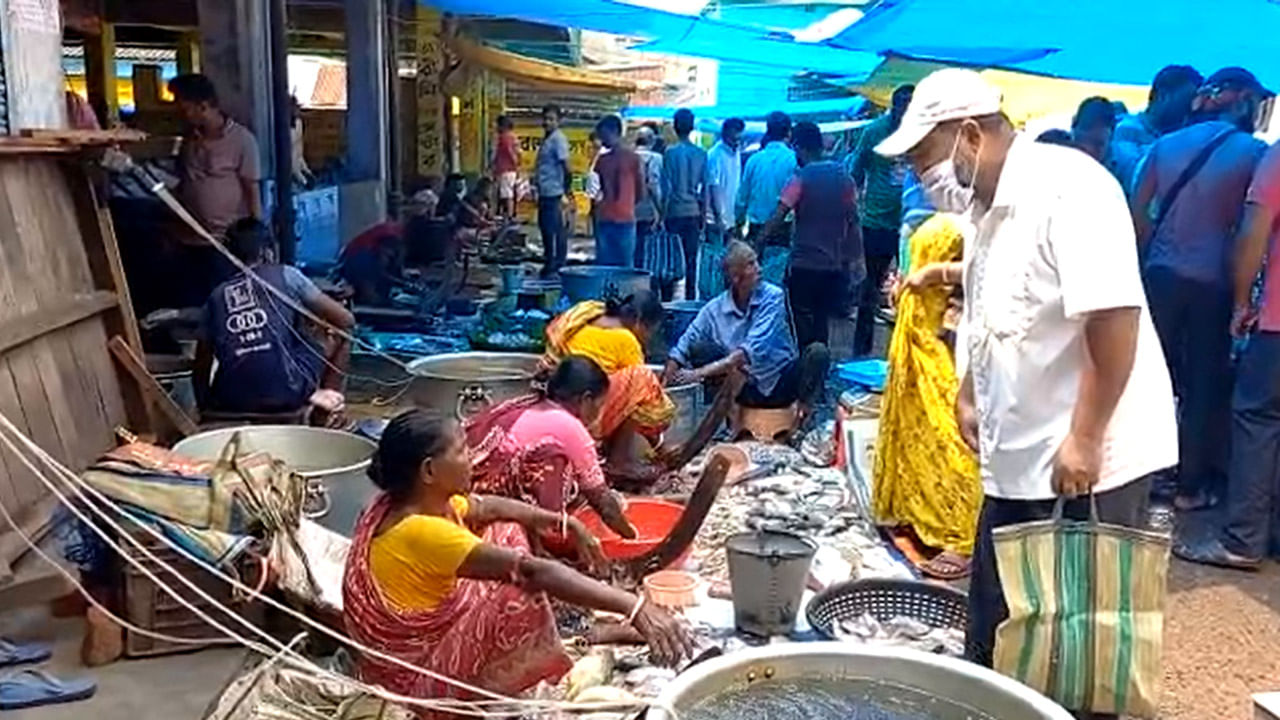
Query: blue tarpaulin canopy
841	106
1095	40
674	33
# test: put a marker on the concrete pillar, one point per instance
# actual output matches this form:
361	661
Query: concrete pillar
31	38
235	52
368	121
472	122
431	101
100	74
364	201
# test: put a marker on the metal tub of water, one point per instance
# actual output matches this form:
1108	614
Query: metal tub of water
960	688
688	401
597	282
465	383
336	460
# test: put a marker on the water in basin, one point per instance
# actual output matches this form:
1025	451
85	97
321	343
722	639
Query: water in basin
827	699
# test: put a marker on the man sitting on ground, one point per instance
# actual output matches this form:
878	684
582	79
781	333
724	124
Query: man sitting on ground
265	362
746	329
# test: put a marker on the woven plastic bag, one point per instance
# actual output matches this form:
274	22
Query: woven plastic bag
1086	612
664	257
710	269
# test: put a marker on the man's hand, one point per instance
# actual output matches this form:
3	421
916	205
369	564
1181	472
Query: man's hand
1243	320
967	413
1077	465
967	418
682	376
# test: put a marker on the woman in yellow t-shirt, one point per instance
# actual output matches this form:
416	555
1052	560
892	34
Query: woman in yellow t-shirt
613	334
422	586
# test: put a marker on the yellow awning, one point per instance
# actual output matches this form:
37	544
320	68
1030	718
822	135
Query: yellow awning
1026	96
538	72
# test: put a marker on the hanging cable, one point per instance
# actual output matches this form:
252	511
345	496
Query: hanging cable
80	486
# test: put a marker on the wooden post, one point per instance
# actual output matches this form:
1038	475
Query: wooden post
146	86
189	53
100	74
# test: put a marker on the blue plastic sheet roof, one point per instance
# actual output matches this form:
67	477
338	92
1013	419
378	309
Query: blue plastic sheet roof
674	33
1104	41
841	106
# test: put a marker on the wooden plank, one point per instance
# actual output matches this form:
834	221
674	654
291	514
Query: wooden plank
102	254
65	224
36	405
85	137
21	484
150	388
36	520
99	379
55	256
29	407
23	329
29	203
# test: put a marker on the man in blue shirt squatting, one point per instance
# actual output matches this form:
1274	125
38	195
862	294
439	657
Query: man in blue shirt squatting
746	330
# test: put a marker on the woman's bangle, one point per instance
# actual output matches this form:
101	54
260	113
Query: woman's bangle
631	619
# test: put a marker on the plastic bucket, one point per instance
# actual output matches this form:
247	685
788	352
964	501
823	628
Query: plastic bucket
768	572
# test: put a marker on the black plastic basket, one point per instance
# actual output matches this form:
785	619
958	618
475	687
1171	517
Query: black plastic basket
937	606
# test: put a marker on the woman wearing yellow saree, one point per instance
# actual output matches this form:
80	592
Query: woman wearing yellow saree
926	477
613	334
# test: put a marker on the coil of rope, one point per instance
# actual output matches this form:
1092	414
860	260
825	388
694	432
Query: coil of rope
496	705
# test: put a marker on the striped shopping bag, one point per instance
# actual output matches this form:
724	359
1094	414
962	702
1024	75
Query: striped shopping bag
1086	612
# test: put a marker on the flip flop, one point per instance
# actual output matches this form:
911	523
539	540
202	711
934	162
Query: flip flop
33	688
1213	552
946	566
1195	503
12	653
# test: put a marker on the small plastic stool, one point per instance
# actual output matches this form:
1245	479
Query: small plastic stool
766	425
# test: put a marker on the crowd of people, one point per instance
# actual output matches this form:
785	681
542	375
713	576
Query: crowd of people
1093	314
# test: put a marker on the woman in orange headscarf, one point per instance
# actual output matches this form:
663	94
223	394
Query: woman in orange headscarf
613	334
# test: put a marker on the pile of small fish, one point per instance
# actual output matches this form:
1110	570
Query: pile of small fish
901	631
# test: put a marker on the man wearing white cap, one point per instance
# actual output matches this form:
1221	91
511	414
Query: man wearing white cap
1066	391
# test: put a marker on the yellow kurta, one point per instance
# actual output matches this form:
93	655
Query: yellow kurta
925	475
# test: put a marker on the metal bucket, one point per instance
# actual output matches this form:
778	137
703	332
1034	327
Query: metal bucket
596	282
688	401
768	571
955	681
334	460
465	383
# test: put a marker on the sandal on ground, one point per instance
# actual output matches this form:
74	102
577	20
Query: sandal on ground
1195	503
33	688
946	566
12	653
1213	552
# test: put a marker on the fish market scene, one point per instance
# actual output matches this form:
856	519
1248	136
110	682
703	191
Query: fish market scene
639	360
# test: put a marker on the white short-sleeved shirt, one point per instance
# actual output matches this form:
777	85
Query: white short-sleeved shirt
1057	244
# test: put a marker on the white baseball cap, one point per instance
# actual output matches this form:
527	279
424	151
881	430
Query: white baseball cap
948	94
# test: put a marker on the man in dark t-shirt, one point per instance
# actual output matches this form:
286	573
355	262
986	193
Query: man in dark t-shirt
265	362
826	250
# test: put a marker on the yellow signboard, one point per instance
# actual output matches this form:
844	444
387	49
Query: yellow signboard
581	152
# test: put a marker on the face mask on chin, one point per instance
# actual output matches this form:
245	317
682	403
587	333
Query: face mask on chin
941	184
